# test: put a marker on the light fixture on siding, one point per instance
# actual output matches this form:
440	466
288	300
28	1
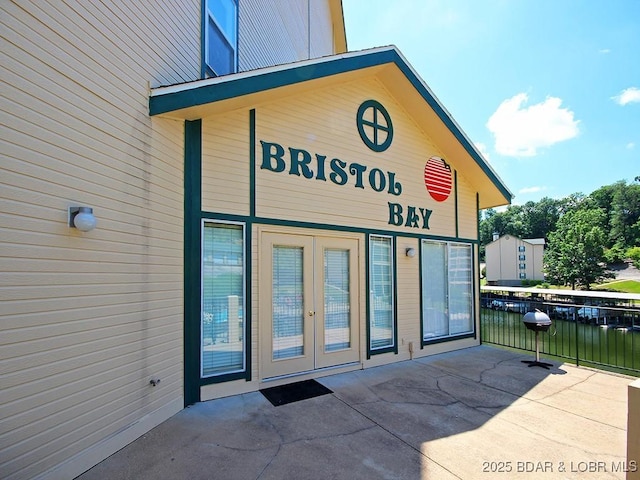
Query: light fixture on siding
410	252
82	218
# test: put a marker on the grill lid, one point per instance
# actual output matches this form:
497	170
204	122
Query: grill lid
537	318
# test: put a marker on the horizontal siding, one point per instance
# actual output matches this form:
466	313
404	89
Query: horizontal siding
88	318
225	163
408	292
275	33
271	33
324	123
467	210
320	29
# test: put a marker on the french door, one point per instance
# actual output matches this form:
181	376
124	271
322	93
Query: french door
309	308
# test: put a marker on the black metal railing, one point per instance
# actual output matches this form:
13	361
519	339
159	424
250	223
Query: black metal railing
598	329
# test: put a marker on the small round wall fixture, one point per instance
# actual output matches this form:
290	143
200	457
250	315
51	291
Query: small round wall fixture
82	218
410	252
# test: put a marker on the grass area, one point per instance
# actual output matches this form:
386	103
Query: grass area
624	286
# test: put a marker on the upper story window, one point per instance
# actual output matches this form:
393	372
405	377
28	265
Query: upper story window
220	37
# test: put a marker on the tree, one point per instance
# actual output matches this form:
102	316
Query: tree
541	217
625	215
634	254
575	254
621	204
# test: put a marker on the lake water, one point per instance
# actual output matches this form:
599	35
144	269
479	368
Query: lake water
591	345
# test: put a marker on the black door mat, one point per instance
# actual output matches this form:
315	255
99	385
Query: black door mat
294	392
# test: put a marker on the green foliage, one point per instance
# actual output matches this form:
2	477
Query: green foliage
634	254
618	203
576	249
615	254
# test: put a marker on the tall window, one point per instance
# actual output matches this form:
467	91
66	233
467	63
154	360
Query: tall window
222	323
381	315
221	36
447	289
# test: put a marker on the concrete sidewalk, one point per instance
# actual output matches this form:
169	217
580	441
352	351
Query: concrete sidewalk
478	413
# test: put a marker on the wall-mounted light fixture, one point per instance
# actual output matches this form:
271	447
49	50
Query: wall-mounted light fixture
82	218
410	252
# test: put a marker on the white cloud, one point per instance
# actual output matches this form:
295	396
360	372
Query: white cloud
482	148
631	94
631	146
530	190
604	51
521	131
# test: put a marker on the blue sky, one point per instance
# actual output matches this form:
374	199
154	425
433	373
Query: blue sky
548	90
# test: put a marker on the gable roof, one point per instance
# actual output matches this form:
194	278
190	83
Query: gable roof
534	241
508	237
198	99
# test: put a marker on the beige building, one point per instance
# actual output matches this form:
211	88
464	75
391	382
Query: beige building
260	205
512	260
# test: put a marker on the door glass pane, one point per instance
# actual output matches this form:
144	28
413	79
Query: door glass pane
222	326
337	300
288	302
381	293
460	289
434	290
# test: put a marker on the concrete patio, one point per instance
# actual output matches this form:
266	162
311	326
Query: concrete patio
477	413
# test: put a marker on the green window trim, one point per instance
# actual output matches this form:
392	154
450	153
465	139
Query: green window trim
223	340
382	327
447	287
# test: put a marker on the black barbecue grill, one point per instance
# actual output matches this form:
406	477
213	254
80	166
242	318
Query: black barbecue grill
538	322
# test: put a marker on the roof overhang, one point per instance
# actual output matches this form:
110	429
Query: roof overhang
201	98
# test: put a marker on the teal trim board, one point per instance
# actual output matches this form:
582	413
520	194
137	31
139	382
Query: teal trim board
455	189
331	227
477	263
421	296
367	282
252	162
266	79
394	245
192	249
474	291
248	294
169	99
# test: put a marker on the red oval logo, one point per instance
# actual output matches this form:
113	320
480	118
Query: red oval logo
437	178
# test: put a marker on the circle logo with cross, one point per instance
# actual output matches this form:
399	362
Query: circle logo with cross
374	125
